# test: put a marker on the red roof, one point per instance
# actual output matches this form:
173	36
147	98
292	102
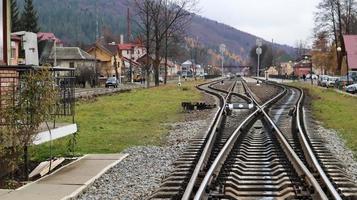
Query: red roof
48	36
351	48
126	46
129	46
15	38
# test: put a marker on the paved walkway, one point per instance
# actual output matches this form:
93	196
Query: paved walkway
67	182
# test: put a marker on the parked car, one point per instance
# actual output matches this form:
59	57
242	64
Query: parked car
314	76
342	81
352	88
322	81
112	82
331	81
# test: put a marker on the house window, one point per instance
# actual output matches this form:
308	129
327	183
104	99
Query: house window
71	65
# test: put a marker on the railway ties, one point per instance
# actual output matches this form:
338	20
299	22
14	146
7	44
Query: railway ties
257	168
174	186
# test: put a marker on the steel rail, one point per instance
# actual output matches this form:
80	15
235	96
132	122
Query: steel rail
308	152
212	133
299	166
216	165
306	147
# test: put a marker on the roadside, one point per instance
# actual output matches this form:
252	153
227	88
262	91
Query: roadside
82	93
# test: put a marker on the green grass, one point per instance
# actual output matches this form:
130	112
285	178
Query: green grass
336	111
112	123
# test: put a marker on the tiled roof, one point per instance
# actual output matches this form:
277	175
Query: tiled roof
71	53
127	46
48	36
351	48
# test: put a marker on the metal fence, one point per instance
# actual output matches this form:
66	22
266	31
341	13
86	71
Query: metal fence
12	80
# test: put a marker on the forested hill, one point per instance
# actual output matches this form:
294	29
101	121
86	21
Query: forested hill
74	21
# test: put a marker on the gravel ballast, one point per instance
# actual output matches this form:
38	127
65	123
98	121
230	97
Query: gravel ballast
337	147
142	171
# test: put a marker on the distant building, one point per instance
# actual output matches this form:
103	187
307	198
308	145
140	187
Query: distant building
29	49
41	36
287	68
108	57
303	66
132	51
273	71
15	50
351	49
187	69
71	57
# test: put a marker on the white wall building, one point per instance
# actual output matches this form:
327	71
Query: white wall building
29	48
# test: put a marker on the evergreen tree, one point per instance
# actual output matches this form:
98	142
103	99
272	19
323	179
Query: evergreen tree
15	21
29	17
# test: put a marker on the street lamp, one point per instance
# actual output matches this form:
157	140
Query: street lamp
339	50
222	49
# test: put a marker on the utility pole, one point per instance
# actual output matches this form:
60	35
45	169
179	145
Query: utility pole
129	25
259	51
55	52
96	38
222	48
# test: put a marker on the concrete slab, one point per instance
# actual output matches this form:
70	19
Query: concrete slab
69	181
41	192
101	157
77	173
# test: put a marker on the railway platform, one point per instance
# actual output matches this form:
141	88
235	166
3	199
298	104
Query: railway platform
67	182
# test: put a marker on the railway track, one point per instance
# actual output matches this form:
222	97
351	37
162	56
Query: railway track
265	152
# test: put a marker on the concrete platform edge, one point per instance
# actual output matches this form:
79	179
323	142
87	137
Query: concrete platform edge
79	191
25	186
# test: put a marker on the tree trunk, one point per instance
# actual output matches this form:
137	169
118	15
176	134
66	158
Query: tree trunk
157	71
26	162
147	27
165	79
342	43
334	30
147	76
166	43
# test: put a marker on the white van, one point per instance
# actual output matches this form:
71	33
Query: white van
322	80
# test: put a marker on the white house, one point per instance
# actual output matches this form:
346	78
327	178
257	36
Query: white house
29	48
132	51
186	68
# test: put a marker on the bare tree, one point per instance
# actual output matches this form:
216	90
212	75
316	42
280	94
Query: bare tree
336	17
144	9
160	20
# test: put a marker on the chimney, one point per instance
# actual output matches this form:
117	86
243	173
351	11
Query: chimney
121	39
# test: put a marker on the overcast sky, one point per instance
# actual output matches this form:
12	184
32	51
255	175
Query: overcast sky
285	21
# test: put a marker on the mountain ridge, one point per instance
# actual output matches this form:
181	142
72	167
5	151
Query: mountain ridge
74	22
